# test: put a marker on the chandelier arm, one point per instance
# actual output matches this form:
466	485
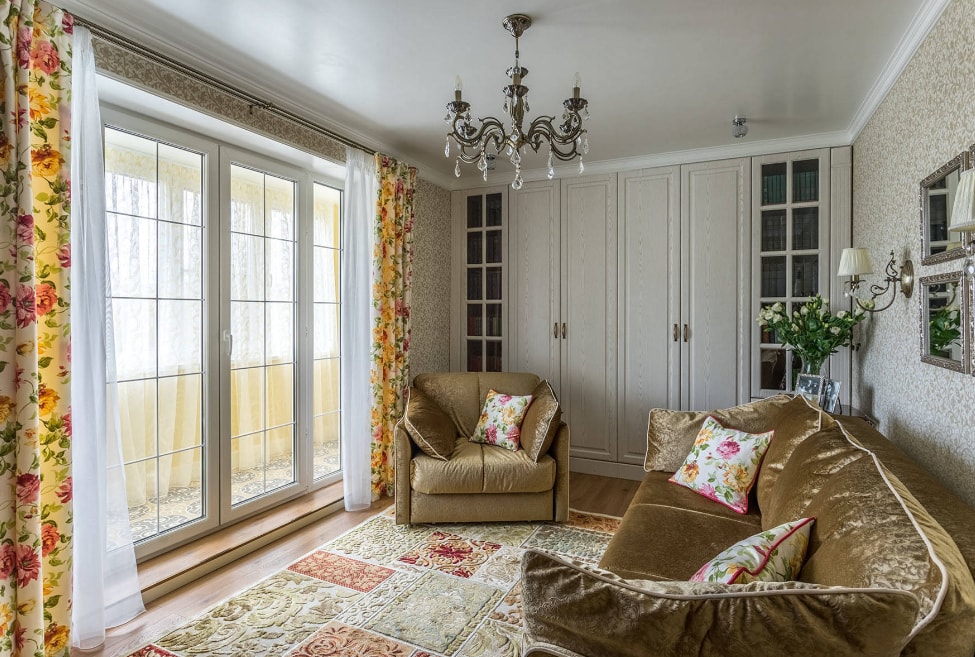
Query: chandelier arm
541	128
491	130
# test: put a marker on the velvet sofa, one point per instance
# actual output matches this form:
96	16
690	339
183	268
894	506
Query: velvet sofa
888	569
476	482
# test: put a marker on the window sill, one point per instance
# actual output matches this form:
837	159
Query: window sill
167	572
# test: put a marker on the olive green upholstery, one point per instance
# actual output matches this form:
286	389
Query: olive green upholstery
479	483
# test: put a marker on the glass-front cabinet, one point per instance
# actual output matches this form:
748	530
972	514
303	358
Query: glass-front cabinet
790	250
482	222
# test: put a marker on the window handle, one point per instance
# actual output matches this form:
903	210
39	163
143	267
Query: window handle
228	339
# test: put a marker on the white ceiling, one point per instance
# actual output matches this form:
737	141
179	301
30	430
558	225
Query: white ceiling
664	78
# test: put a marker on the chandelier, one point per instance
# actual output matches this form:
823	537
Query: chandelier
565	142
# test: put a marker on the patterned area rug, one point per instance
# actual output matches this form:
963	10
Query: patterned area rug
385	590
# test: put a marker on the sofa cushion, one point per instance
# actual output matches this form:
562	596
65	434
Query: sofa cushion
541	421
476	468
457	393
515	472
773	555
723	464
500	422
872	532
575	609
431	429
657	489
671	434
813	462
463	473
796	421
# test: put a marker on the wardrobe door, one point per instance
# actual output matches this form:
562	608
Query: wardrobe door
533	248
648	278
589	305
715	276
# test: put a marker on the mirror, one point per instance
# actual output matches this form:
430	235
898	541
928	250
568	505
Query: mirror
937	197
946	321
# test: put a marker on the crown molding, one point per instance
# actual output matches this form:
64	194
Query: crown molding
916	33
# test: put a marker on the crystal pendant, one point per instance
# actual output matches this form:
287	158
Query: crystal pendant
482	163
484	175
585	143
516	156
518	182
505	107
446	117
582	167
551	165
446	149
585	113
457	169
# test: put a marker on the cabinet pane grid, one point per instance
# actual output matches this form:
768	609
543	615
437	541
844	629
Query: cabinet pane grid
789	259
484	271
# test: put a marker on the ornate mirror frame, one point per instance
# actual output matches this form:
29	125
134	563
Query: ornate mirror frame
959	163
964	298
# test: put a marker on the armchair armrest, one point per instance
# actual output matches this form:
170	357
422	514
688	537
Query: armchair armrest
403	449
560	452
575	610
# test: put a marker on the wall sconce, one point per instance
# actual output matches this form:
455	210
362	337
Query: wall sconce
963	218
855	262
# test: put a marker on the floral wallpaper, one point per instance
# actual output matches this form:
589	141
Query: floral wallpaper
927	118
430	347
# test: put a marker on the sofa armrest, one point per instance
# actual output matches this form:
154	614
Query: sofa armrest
403	449
573	610
560	452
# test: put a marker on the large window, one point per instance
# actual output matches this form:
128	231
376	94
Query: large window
224	269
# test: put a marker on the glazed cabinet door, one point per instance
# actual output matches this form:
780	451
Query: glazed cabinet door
648	277
479	313
715	283
588	327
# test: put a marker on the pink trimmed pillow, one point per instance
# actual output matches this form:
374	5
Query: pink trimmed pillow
723	464
775	555
500	422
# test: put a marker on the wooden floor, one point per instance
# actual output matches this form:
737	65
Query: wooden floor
587	493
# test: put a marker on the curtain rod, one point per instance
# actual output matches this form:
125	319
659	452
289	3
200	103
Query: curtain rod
252	100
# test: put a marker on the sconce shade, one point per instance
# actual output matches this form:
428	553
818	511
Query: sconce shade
963	211
855	262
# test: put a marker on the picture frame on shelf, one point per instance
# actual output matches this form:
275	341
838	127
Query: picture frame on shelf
810	386
829	401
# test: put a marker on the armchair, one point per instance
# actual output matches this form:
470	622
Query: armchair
478	483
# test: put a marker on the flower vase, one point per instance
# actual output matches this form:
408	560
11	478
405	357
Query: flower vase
809	365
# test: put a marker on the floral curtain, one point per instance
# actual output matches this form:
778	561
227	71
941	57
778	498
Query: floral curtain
392	271
35	351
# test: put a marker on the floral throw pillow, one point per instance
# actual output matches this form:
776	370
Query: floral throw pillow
771	556
500	422
723	464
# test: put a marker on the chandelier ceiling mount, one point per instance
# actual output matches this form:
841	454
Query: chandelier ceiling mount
566	141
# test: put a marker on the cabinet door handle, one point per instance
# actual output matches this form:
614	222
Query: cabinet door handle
676	333
555	330
564	332
687	332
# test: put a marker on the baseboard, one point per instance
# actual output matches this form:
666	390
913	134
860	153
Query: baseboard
607	469
184	577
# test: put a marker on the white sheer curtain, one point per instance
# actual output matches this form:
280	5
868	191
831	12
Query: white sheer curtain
357	230
106	583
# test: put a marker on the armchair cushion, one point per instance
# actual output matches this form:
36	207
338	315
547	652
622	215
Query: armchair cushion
430	428
541	421
476	468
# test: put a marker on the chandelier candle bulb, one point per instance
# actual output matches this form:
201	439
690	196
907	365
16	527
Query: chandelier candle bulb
458	89
576	85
